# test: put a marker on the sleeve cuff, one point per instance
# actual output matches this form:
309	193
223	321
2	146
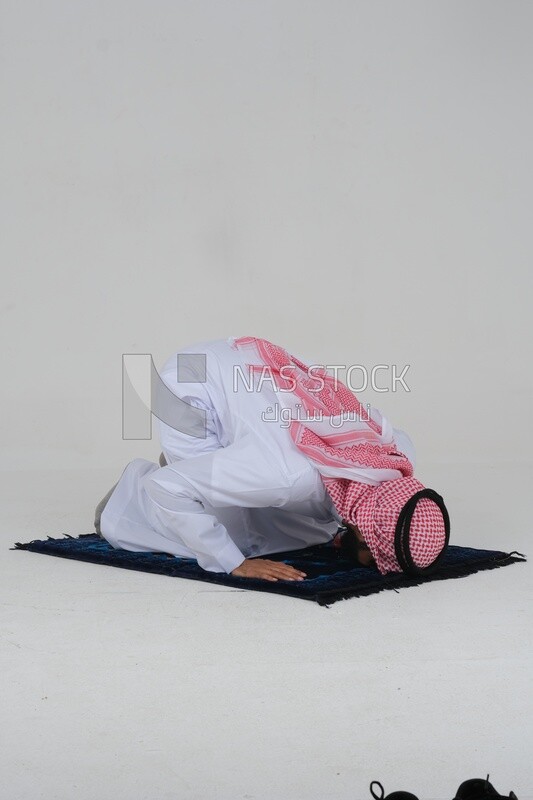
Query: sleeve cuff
224	560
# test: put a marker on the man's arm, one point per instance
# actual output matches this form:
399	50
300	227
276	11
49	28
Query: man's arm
241	475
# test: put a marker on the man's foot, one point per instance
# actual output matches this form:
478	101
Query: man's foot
99	509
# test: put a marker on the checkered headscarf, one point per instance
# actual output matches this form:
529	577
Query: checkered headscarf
371	483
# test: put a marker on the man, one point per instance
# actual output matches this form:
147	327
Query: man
244	473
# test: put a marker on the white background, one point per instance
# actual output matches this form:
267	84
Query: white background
351	180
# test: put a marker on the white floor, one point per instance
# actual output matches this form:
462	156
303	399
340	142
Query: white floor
120	685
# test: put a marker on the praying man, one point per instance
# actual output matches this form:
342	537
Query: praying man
263	453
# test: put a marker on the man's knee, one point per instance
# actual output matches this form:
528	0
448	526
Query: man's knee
163	487
149	485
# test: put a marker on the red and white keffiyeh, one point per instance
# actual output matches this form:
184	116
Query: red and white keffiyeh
370	482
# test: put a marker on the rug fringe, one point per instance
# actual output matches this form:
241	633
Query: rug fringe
26	545
326	598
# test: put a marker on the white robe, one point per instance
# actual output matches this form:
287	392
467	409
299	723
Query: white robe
244	490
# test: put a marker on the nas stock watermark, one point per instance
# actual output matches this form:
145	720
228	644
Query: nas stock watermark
145	393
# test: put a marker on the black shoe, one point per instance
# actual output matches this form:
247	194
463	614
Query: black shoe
393	796
479	789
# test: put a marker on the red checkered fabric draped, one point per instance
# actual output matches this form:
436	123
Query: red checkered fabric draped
368	479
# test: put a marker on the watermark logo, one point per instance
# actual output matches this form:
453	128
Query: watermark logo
356	377
145	394
285	415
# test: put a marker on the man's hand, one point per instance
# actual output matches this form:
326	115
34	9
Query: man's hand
267	570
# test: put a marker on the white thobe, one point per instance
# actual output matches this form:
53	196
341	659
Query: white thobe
243	489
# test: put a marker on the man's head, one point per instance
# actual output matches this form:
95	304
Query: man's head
404	525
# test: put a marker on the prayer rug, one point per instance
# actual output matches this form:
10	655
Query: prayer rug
330	575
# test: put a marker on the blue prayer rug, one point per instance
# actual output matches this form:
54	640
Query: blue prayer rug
330	575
